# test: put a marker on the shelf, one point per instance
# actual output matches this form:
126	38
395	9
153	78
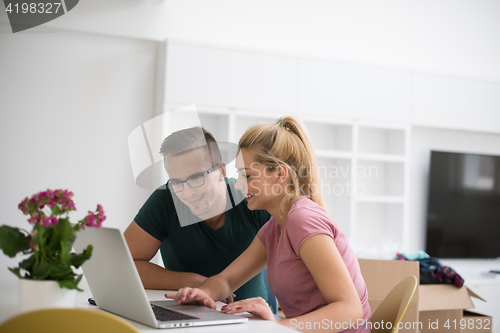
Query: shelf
335	182
326	136
380	199
243	122
321	153
216	124
377	178
386	141
379	223
362	169
382	157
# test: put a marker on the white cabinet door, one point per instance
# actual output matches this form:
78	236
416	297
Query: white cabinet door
354	92
230	79
456	103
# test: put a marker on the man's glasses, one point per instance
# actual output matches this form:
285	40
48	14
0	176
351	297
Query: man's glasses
194	181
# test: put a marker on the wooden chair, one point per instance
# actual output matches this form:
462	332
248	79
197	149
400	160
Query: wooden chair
394	306
66	320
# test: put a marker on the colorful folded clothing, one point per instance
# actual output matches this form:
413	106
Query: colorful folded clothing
431	269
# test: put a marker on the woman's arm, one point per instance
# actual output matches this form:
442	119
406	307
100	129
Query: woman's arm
218	287
327	267
323	260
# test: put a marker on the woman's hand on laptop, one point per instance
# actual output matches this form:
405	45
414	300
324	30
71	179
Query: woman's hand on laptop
256	305
193	296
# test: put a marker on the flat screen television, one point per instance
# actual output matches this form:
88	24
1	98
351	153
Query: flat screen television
463	209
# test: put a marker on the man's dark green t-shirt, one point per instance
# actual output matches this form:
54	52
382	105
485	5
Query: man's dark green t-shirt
197	248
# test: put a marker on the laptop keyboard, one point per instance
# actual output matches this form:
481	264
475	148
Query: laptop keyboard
163	314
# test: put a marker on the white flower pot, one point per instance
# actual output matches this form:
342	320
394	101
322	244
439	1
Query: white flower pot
43	294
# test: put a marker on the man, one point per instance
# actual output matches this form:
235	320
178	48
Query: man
199	221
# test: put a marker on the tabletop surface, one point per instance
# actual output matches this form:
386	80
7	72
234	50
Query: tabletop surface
9	308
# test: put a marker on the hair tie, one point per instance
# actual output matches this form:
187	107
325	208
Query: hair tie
282	123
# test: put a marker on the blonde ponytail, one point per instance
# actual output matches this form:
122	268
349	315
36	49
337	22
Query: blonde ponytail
287	142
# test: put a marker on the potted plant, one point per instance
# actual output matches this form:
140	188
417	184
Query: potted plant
50	264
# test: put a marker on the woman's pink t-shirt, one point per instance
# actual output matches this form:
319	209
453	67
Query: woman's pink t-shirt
289	278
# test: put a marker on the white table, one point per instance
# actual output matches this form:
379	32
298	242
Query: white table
9	308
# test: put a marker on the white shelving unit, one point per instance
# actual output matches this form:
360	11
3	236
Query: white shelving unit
381	156
363	169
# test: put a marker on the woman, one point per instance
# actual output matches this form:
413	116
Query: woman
312	270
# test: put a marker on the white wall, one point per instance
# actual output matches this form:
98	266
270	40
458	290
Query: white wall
456	37
68	102
455	103
114	77
422	142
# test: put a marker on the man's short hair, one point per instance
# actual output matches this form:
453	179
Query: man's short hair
185	140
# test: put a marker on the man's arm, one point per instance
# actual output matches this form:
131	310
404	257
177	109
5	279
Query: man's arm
143	247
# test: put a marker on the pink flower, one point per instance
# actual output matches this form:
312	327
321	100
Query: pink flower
60	202
90	219
32	245
53	219
22	205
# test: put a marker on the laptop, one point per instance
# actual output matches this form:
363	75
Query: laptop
117	288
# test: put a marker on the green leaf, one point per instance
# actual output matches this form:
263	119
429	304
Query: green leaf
41	271
50	236
78	259
16	271
65	232
27	264
55	210
40	234
70	284
60	271
65	254
69	276
64	237
13	241
29	251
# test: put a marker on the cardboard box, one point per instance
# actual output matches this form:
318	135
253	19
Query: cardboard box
456	321
476	323
433	308
383	275
442	307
